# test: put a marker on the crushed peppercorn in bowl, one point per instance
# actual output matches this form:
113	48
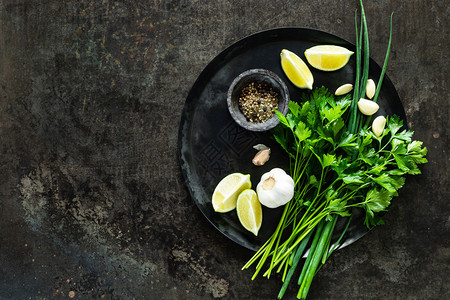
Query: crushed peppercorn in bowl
253	97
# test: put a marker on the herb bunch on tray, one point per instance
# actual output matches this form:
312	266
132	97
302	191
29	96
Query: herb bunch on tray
338	165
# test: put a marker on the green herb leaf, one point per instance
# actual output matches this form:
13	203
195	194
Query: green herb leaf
367	140
352	179
344	102
280	135
313	180
396	172
337	125
372	220
384	182
390	183
400	162
394	124
396	144
404	135
294	108
338	207
328	160
416	146
305	109
332	113
347	140
282	118
302	132
378	200
291	121
370	157
416	152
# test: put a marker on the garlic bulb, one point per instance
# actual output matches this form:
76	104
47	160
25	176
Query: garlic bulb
276	188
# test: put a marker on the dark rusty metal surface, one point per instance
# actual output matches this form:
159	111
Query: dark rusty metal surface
92	199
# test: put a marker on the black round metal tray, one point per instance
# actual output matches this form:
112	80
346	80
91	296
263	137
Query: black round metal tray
211	144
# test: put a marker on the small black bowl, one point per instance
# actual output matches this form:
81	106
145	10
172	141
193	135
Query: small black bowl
257	76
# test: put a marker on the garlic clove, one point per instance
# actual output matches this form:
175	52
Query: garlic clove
261	157
370	88
343	89
367	107
378	125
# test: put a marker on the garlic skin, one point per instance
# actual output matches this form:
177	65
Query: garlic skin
260	147
275	189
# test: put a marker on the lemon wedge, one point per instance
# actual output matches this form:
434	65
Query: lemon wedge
296	70
249	211
227	191
328	57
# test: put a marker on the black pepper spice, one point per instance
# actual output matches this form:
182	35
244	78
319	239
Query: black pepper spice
254	101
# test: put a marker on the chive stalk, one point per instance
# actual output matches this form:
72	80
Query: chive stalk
310	253
354	105
365	74
328	240
383	70
316	258
298	255
340	238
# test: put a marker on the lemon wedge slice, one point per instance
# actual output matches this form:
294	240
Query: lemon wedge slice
296	70
328	57
227	191
249	211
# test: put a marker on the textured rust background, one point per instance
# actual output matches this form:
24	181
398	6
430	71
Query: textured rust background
92	201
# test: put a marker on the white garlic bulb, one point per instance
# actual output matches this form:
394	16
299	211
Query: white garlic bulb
275	189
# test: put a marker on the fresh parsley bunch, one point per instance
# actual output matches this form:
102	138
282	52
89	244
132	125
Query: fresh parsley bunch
348	170
334	171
